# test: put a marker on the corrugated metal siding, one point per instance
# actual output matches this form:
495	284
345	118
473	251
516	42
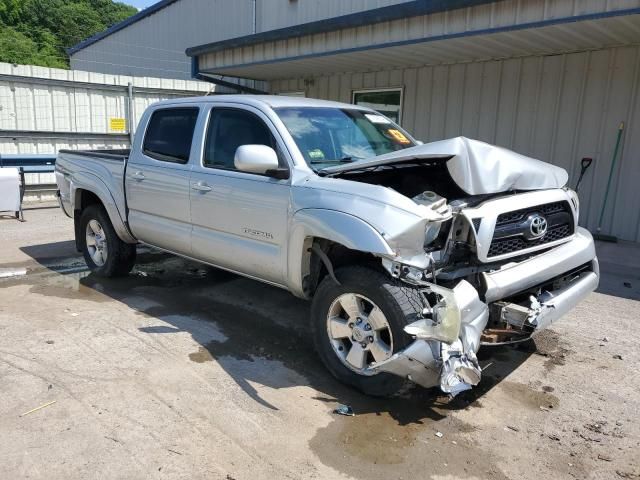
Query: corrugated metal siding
472	19
155	45
25	105
274	14
557	108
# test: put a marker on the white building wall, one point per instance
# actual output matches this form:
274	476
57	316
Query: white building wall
557	108
75	111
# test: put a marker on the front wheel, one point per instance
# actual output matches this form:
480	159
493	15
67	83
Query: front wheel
360	322
105	254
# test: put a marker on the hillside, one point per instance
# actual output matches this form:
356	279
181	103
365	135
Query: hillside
38	32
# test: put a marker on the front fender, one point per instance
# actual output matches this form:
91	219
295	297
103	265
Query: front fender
92	183
333	225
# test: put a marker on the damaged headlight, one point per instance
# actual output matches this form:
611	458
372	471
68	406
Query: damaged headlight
445	323
431	232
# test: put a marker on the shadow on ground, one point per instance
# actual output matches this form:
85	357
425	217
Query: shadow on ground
264	331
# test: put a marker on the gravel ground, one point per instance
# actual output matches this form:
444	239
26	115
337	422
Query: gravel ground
182	371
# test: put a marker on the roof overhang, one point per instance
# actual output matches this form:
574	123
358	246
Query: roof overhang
552	36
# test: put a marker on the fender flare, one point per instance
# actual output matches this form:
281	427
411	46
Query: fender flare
336	226
92	183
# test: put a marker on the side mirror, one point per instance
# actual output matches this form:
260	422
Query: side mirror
259	159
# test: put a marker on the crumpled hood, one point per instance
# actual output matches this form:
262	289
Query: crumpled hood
476	167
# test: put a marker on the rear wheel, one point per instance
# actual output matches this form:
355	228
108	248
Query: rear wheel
360	322
105	254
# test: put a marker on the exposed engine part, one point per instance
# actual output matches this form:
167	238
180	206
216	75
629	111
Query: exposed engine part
433	201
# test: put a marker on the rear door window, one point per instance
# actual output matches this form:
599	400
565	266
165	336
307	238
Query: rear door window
170	133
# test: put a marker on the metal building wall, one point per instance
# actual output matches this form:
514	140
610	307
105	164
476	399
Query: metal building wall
155	45
274	14
474	19
557	108
43	110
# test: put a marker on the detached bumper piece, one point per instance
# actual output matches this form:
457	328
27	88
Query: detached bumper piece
537	292
444	350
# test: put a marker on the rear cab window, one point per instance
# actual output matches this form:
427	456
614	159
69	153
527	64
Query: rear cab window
170	133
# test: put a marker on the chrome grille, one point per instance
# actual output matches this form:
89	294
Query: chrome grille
509	235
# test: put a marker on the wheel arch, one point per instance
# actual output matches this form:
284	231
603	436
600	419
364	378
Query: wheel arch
344	239
89	190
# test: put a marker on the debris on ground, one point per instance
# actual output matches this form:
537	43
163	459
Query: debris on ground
514	428
595	427
617	357
345	410
606	458
439	434
38	408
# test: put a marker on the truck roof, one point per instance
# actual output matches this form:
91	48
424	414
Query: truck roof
273	101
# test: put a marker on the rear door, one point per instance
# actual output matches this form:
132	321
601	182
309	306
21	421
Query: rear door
157	179
239	218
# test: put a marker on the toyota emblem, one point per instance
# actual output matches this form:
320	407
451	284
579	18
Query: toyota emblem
538	226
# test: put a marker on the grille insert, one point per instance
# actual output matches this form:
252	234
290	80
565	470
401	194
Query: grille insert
511	227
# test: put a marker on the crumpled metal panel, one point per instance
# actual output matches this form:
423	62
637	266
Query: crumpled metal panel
444	353
477	167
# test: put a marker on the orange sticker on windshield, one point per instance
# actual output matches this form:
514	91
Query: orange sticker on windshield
398	136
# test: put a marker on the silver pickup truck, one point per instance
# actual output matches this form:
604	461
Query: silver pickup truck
413	255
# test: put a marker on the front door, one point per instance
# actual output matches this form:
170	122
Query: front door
239	219
157	180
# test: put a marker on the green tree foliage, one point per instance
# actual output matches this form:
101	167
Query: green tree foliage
38	32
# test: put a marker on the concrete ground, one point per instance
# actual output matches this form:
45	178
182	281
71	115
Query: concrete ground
182	371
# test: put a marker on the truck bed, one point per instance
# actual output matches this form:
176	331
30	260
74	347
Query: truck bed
98	171
121	154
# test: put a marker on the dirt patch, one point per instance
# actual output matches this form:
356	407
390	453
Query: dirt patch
201	356
530	397
547	343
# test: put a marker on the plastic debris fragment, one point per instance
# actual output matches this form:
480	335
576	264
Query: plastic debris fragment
345	410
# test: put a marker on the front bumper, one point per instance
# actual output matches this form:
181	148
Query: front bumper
444	350
517	277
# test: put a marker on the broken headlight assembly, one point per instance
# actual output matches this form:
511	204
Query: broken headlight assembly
431	232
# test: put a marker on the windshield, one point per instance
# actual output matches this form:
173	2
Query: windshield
329	136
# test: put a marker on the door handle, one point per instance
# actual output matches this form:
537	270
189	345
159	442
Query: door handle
201	187
138	176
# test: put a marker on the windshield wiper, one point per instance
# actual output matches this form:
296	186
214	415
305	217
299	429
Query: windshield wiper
342	160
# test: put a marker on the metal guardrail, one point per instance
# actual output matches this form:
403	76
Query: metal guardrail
29	163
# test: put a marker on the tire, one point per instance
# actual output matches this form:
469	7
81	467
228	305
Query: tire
397	302
120	256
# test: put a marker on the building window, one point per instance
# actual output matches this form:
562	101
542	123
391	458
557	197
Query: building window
387	101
